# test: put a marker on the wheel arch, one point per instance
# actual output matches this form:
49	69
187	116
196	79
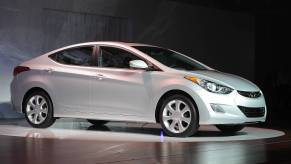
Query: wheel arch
169	93
31	90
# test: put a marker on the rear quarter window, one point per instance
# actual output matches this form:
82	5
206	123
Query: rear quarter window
81	56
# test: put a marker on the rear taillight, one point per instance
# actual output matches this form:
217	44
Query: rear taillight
17	70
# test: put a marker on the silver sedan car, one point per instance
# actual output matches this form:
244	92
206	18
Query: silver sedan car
114	81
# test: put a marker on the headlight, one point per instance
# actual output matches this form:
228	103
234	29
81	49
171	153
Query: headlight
210	86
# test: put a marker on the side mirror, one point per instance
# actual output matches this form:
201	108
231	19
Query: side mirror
138	64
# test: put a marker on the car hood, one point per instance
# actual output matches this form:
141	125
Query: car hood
233	81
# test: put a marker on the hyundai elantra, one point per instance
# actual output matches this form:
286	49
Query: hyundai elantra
114	81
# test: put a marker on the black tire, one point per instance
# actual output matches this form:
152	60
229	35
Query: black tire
97	122
49	120
194	123
230	128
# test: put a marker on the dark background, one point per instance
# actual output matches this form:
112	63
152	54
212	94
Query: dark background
244	37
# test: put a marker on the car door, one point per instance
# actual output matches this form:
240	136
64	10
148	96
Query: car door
70	80
118	89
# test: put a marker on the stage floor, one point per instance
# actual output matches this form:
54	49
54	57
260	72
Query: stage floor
76	141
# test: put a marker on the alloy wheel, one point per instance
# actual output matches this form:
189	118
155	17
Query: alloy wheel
37	109
176	116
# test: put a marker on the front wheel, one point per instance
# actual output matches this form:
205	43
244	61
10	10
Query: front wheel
230	128
38	110
178	116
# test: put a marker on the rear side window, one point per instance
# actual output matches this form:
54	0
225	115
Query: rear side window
81	56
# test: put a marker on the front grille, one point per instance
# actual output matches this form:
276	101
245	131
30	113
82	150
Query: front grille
253	112
250	94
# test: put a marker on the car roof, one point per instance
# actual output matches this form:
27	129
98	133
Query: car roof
111	43
104	43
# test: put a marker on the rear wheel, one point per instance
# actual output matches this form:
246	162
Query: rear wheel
38	110
178	116
97	122
230	128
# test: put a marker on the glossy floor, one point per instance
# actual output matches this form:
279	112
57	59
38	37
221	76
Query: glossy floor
75	141
118	131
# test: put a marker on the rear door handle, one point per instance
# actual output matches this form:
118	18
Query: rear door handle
49	70
100	75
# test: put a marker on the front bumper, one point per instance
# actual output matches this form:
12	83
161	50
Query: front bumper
230	108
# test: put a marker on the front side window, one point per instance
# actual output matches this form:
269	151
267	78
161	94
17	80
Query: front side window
171	59
115	57
81	56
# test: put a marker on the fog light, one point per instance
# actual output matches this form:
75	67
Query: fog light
217	108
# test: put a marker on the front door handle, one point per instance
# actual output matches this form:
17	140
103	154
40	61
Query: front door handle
99	76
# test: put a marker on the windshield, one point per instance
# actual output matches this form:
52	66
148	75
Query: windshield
171	59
